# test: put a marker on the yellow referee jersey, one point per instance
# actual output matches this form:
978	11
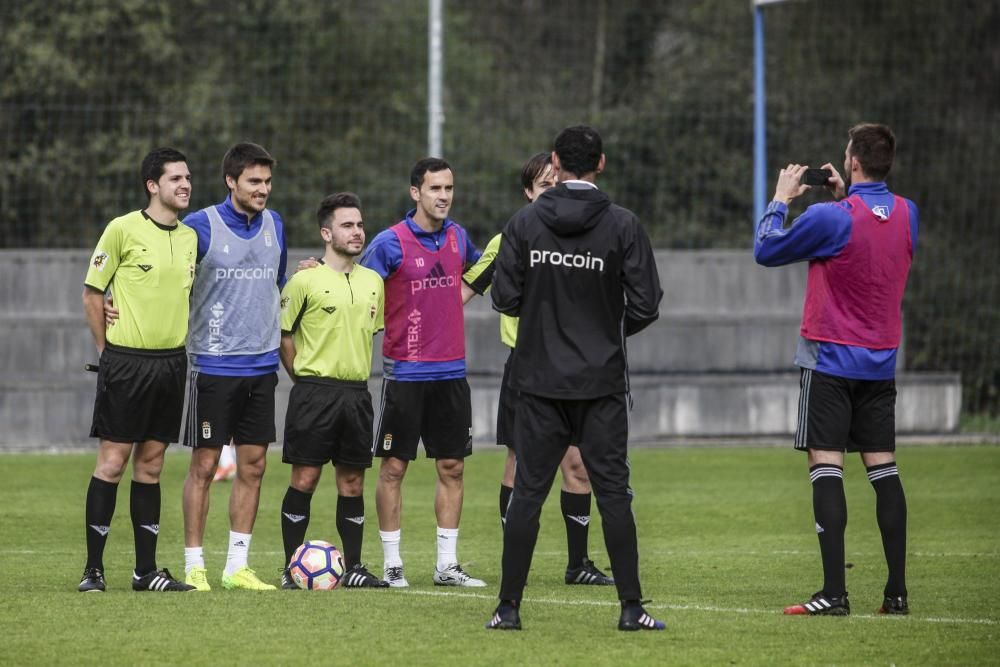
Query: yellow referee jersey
332	317
479	276
149	268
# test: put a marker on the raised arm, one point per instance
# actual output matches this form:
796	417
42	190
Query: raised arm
821	231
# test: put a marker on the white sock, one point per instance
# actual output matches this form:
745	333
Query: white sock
193	557
390	548
447	547
239	547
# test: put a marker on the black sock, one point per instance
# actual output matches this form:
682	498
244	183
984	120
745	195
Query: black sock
144	505
294	520
890	509
101	497
505	492
830	511
576	514
351	526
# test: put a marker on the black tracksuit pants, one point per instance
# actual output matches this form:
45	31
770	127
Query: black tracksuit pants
543	428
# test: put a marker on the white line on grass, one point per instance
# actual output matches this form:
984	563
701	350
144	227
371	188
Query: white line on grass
685	553
692	607
916	554
601	603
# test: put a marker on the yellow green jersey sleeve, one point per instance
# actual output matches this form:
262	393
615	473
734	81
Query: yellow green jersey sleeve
149	268
479	277
332	317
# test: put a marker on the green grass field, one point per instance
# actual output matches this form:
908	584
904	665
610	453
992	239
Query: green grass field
725	535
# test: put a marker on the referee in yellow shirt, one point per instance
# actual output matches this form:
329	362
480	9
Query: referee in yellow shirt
329	315
147	259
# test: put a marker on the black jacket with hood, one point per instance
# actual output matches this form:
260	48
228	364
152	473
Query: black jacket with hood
579	271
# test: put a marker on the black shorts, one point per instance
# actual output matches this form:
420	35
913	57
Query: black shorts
328	420
140	395
225	408
545	427
437	411
506	407
840	414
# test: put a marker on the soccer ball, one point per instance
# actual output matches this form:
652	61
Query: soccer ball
317	566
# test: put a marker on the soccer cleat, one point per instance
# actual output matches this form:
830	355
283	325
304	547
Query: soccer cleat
93	581
159	581
454	575
226	469
634	617
245	579
506	617
588	574
358	577
198	577
225	473
893	604
821	604
394	577
287	583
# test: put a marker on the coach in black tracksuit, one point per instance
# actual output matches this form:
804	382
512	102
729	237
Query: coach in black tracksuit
579	271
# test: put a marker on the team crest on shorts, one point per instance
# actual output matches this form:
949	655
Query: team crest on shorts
206	430
387	442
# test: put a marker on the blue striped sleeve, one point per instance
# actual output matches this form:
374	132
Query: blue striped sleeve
198	221
914	226
279	228
472	253
384	255
821	231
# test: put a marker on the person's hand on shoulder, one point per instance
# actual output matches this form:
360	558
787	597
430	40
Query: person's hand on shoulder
310	263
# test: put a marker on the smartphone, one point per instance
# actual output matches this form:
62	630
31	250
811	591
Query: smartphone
816	176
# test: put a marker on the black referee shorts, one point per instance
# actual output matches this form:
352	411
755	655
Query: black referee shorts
140	395
328	420
223	408
840	414
439	412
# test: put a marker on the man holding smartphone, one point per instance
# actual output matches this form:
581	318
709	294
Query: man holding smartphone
859	249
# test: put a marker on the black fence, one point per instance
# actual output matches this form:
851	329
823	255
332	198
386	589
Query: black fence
338	92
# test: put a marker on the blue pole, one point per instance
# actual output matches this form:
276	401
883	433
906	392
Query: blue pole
759	128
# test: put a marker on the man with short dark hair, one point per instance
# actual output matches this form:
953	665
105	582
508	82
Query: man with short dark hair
147	259
234	341
328	317
859	249
425	394
580	273
537	176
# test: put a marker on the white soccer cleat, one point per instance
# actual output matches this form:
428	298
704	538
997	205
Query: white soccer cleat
226	470
454	575
394	577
